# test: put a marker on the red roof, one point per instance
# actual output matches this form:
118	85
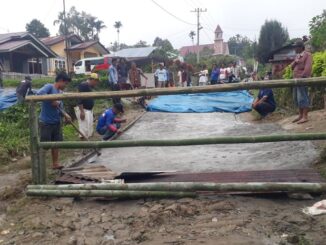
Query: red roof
193	49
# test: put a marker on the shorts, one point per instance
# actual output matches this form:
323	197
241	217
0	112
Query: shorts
50	132
301	97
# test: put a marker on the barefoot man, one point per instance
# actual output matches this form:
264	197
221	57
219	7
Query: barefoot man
302	67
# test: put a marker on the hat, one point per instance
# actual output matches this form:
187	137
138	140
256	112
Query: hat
119	107
28	78
299	44
94	76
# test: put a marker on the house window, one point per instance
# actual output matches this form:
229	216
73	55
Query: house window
60	64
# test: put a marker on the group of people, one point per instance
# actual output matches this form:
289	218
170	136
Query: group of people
110	120
302	68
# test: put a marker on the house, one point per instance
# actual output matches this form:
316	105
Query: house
281	58
22	52
219	46
77	49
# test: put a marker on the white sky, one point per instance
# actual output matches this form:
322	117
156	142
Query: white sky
143	20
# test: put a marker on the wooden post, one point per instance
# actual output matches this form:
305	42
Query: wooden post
37	154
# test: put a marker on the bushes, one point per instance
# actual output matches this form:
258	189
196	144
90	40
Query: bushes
37	83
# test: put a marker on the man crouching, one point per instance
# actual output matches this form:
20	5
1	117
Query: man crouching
109	123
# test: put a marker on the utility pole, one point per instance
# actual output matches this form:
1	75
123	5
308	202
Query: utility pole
66	36
199	27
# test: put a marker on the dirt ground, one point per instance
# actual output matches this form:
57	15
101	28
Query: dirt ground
222	219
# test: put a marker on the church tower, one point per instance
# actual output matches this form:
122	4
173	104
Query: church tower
218	41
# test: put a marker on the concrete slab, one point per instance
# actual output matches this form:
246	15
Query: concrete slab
235	157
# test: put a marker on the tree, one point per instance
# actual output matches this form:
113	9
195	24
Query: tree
37	28
117	25
140	44
163	44
192	35
272	36
318	31
241	46
82	24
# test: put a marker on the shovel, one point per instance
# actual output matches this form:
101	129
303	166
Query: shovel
93	158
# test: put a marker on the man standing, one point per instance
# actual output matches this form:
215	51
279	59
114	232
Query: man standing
113	79
215	74
161	76
135	75
23	89
50	116
302	68
84	109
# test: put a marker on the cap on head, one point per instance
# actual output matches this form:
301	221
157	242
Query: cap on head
299	44
62	76
119	107
94	76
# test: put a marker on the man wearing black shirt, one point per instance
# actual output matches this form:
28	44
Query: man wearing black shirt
84	109
23	89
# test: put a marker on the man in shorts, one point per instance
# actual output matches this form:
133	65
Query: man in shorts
50	116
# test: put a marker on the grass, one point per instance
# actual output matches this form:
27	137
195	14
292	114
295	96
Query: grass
37	83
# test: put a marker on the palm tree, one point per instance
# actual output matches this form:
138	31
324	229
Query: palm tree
192	34
118	25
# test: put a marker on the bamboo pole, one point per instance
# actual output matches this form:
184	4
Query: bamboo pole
188	187
315	81
108	193
37	154
184	142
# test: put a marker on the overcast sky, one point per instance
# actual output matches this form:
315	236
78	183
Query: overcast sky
143	20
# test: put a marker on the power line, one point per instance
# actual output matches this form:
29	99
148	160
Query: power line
176	17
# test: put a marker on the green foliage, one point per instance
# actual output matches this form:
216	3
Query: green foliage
319	64
13	132
318	31
288	73
37	83
82	24
272	36
242	46
37	28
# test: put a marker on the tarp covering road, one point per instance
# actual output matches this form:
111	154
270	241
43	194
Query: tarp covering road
7	98
235	102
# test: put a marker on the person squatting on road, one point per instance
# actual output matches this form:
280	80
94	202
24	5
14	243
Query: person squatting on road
109	123
265	102
50	116
84	108
24	88
302	68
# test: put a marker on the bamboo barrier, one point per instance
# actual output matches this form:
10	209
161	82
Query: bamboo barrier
183	187
108	193
184	142
315	81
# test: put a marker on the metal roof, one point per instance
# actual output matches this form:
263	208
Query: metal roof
135	52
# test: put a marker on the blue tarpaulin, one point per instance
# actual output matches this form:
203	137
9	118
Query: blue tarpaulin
236	102
7	99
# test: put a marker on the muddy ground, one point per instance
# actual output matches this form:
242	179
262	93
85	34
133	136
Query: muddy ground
222	219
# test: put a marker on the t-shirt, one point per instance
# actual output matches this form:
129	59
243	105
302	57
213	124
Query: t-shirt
215	74
180	76
270	96
223	73
88	104
203	76
23	87
49	114
161	75
106	119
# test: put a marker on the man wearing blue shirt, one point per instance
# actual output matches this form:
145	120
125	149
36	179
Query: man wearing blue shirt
264	103
113	79
50	116
108	123
215	74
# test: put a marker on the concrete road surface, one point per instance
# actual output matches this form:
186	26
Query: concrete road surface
232	157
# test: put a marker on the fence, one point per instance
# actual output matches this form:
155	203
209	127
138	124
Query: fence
37	147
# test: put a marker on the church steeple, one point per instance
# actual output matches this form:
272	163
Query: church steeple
218	33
